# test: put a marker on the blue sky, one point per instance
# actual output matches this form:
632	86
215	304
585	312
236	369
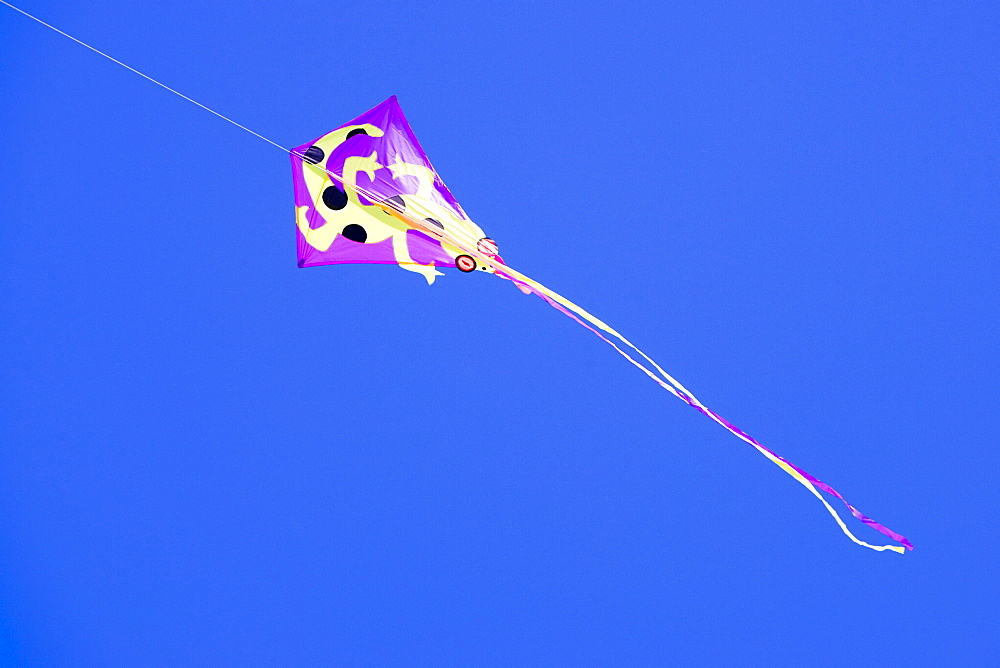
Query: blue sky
211	457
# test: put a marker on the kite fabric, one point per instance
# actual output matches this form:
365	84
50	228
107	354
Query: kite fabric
366	193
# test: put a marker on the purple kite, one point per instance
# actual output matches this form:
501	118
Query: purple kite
366	193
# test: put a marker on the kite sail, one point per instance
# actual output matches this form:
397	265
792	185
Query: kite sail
371	183
366	193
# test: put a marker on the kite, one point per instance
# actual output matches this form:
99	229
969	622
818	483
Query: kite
367	193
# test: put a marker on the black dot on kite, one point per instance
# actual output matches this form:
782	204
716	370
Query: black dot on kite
356	131
433	222
355	233
335	198
313	155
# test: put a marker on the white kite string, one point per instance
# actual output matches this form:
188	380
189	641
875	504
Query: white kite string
373	197
146	76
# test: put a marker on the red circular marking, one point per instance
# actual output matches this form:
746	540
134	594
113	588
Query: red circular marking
465	263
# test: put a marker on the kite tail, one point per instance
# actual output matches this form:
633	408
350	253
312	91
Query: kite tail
670	384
